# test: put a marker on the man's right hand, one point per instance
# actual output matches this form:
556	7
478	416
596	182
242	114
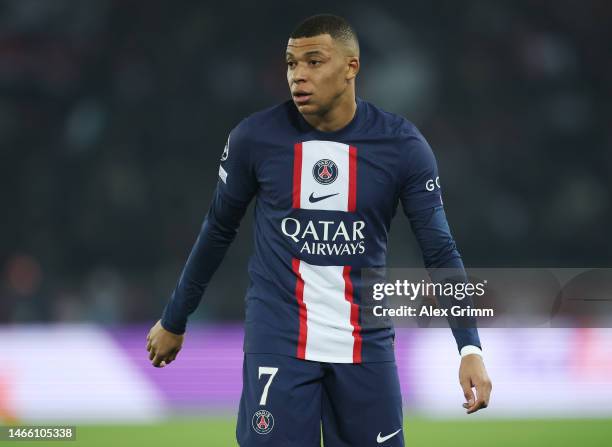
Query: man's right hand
163	346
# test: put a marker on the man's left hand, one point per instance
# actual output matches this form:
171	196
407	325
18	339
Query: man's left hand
473	374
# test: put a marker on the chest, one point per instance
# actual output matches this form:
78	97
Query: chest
350	176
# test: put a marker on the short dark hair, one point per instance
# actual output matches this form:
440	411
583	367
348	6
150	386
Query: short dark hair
337	27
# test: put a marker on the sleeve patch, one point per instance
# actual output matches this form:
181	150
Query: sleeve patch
223	174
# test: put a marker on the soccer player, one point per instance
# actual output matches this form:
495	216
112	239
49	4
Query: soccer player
328	170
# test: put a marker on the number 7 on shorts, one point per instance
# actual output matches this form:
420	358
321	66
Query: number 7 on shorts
263	371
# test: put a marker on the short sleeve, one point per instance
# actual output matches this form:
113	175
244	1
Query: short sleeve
237	180
420	183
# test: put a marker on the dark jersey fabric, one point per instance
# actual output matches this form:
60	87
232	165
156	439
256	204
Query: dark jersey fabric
394	164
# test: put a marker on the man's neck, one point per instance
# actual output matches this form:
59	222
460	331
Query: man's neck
336	118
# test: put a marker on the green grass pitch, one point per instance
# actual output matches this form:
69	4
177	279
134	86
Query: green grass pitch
418	432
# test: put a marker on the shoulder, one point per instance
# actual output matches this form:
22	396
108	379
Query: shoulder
392	124
258	130
414	152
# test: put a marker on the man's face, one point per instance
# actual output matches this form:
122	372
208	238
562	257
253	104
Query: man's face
317	73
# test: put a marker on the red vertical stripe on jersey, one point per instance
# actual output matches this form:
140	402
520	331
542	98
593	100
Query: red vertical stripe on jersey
297	174
352	195
348	295
299	295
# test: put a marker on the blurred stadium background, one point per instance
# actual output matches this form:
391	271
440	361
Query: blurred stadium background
113	115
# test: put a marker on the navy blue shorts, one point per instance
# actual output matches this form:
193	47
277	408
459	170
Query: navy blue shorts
288	402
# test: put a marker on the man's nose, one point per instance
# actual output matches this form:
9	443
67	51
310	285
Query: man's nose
298	74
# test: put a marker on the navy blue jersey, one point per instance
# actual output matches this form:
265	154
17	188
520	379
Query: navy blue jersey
324	205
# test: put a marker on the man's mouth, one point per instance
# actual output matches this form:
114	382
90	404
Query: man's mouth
301	97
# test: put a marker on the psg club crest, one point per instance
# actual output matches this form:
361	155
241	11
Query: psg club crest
325	171
263	422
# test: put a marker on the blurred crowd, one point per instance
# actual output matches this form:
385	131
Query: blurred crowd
113	114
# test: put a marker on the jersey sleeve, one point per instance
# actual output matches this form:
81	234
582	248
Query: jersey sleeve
234	191
443	262
237	180
419	180
422	202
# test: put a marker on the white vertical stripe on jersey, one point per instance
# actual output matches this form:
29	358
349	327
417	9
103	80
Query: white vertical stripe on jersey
312	152
328	316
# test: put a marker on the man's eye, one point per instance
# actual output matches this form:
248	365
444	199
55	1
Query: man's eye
315	62
290	64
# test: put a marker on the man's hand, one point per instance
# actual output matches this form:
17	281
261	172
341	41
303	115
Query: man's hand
472	374
163	346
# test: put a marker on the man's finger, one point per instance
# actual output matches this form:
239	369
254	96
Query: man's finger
172	356
158	360
479	404
177	352
483	391
468	393
151	354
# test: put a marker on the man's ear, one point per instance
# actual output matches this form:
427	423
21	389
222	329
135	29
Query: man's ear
352	67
